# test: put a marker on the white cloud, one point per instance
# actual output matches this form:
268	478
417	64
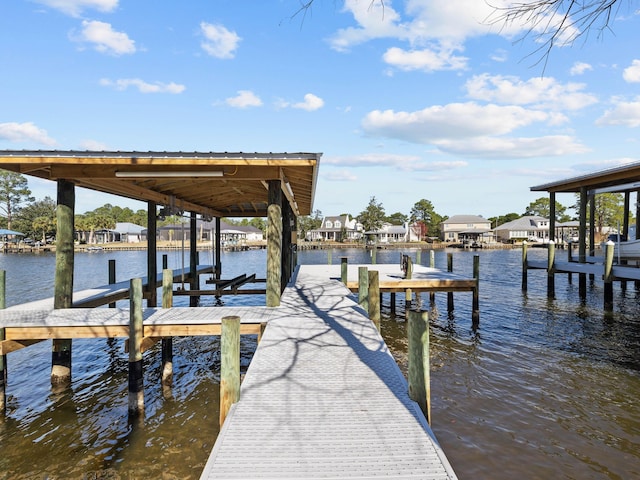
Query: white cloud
244	99
579	68
424	59
142	86
76	7
105	39
340	176
219	41
25	132
407	163
455	120
541	92
311	102
631	74
502	147
93	145
623	113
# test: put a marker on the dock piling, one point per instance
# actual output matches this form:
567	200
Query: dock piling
343	269
432	264
608	276
374	297
3	358
551	271
230	365
363	288
112	278
136	385
475	313
167	342
419	368
450	294
524	266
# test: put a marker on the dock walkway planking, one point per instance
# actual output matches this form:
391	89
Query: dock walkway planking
324	398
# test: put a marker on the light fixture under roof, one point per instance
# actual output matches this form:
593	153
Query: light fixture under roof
169	174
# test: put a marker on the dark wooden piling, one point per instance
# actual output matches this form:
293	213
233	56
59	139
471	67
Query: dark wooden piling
608	276
432	264
63	284
551	271
136	384
152	252
475	312
449	294
194	278
374	297
230	365
167	342
419	368
112	278
524	266
407	303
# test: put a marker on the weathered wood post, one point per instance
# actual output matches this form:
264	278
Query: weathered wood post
152	252
343	269
582	241
112	278
3	358
524	266
374	297
569	259
475	312
167	342
419	257
136	383
63	288
432	264
551	270
407	303
409	271
608	276
363	288
419	368
449	294
274	244
218	249
230	365
374	251
194	279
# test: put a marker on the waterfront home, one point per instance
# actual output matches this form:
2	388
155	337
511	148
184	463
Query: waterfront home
531	228
340	228
466	228
205	231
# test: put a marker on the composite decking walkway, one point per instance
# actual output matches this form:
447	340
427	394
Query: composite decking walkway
324	398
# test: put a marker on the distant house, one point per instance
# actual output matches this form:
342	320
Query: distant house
388	234
205	231
531	228
465	228
130	232
341	228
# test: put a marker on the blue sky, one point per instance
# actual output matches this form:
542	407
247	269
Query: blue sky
416	99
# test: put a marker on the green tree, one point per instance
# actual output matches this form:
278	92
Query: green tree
424	214
14	191
542	208
44	225
609	210
397	218
98	221
44	210
502	219
373	216
306	223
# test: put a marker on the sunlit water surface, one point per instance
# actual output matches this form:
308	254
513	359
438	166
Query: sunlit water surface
543	389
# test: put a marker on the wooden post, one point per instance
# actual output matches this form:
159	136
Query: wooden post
218	248
432	264
374	252
136	384
343	269
551	270
407	303
419	368
409	268
524	266
194	279
112	278
363	288
582	239
152	262
374	297
552	216
3	358
475	313
608	276
449	294
230	365
329	259
167	342
419	257
274	244
165	262
63	288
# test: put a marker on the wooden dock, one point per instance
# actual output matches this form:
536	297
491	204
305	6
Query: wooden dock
324	398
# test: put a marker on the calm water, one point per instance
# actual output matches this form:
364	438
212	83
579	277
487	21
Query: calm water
544	389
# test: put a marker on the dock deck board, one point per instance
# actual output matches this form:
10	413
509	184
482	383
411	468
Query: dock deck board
324	398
